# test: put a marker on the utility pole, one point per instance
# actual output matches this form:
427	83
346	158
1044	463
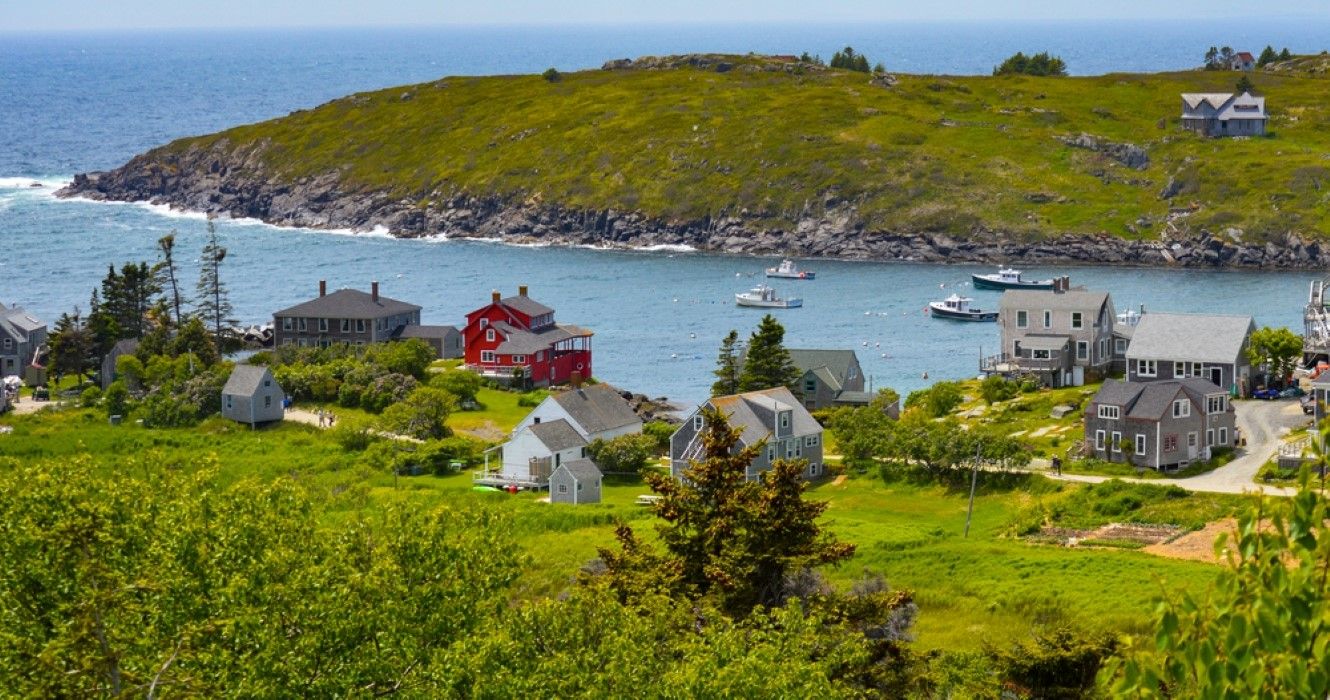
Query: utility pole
974	479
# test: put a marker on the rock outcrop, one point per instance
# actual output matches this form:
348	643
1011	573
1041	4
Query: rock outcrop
229	181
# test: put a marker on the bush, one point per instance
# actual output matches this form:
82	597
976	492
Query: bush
460	383
626	453
937	400
165	409
423	414
530	400
551	75
90	397
116	399
1038	64
996	388
661	432
353	436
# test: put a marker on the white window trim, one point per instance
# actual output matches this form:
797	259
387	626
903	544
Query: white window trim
1022	318
1181	408
286	323
1146	368
1120	345
346	325
360	325
487	356
1140	444
1179	369
1082	345
519	359
1041	354
489	334
323	325
1099	440
1117	441
302	324
1077	320
697	422
1110	412
1223	437
1048	318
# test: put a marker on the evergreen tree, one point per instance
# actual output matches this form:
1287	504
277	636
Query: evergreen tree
1245	85
1212	58
848	59
1041	64
129	295
727	367
767	363
1285	55
214	303
71	347
1267	56
166	268
101	326
193	338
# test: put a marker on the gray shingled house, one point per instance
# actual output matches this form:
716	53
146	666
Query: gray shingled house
1064	337
773	416
22	340
1178	346
344	316
446	340
829	378
1223	114
575	482
128	346
252	396
1158	424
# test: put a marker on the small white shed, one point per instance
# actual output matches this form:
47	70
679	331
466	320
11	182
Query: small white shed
252	396
576	482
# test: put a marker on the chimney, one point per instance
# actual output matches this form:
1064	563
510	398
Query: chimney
374	291
521	291
575	379
323	288
494	296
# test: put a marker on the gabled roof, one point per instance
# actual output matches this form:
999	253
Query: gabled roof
582	469
1070	300
526	305
1153	400
126	346
597	408
1189	337
1044	342
1216	100
556	435
245	380
828	378
349	303
20	319
1245	56
755	413
523	342
418	331
837	361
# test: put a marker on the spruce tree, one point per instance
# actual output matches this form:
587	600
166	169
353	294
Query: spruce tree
214	303
1285	55
71	346
1267	57
727	367
166	268
767	363
128	295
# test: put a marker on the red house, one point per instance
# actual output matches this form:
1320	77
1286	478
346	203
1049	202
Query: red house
520	333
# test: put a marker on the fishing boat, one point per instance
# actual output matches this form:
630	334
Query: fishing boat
788	270
765	297
957	308
1007	278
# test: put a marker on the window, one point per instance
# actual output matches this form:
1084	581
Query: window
1171	442
303	327
1082	350
814	469
771	453
484	322
1117	441
487	356
304	342
346	325
1110	412
1120	346
1146	368
1179	369
360	325
1223	437
519	359
1103	348
1181	408
1076	320
785	420
697	422
1209	438
267	402
286	324
1041	354
489	334
323	325
1099	440
267	382
1048	318
1022	319
810	385
228	402
811	440
1191	439
1140	444
854	372
1195	369
1217	403
563	488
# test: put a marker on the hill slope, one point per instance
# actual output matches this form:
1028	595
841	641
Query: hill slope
756	155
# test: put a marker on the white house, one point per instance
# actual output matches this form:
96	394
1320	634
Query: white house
252	396
538	449
595	412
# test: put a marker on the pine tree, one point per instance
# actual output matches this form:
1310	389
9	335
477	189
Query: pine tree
1212	58
193	338
727	367
101	326
767	363
1285	55
166	267
1245	85
1267	57
214	304
71	346
128	295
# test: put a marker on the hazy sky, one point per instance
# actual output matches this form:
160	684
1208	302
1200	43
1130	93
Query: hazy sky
128	14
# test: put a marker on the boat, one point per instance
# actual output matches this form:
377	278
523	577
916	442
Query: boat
1007	278
788	270
957	308
765	297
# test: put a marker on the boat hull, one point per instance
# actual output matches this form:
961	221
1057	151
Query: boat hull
792	275
936	310
759	304
985	282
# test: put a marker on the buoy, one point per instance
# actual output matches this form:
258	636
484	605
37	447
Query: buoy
676	300
925	375
877	345
674	356
865	343
868	313
692	335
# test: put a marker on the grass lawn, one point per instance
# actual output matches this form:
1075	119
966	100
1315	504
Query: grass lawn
1029	416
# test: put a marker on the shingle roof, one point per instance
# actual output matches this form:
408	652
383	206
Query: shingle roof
523	342
1118	393
557	435
418	331
829	378
1070	300
1152	400
1215	99
854	397
1044	342
21	320
597	408
1155	400
349	303
245	380
582	469
526	305
754	412
838	361
1189	338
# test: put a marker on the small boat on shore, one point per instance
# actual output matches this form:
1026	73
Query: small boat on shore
1007	278
957	308
788	270
765	297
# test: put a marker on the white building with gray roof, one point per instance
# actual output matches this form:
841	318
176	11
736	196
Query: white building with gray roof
773	417
252	396
1213	347
1223	114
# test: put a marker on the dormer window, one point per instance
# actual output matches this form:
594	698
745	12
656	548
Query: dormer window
784	420
484	322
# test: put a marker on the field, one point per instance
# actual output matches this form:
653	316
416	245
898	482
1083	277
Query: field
961	155
989	587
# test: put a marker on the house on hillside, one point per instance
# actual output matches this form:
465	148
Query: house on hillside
1063	336
576	482
1159	424
446	340
533	453
345	316
252	396
772	416
596	412
516	339
22	343
1223	114
828	378
1178	346
128	346
1242	60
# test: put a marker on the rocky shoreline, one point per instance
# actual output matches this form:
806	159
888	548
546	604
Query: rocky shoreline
229	182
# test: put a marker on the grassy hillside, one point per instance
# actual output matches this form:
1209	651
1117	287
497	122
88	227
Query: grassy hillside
955	154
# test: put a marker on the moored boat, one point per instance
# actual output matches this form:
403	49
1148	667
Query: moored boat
957	308
788	270
1007	278
765	297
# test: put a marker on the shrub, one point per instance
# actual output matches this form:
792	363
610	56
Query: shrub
116	399
626	453
1041	64
385	391
422	414
353	436
661	432
460	383
996	388
90	397
530	400
937	400
166	409
551	75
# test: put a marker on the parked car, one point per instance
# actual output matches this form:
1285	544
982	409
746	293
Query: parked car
1267	394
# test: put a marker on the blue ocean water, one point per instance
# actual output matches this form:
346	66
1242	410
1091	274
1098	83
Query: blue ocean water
76	102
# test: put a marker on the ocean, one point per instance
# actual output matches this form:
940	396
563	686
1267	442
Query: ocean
74	102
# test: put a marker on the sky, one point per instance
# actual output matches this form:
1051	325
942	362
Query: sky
83	15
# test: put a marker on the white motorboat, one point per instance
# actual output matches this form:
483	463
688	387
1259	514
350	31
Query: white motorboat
957	308
765	297
1007	278
788	270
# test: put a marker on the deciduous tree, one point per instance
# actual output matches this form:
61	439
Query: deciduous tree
1277	349
423	414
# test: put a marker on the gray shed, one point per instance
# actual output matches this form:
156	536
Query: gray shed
252	396
576	481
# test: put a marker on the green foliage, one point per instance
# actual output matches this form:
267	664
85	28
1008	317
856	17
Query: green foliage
431	457
116	400
1041	64
847	59
213	301
164	409
128	296
72	349
1058	662
1244	84
1268	56
997	388
551	75
624	454
767	363
90	397
660	433
1261	630
411	357
129	369
862	434
193	338
1285	55
530	399
1126	502
353	436
727	367
936	401
1278	349
422	414
459	383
